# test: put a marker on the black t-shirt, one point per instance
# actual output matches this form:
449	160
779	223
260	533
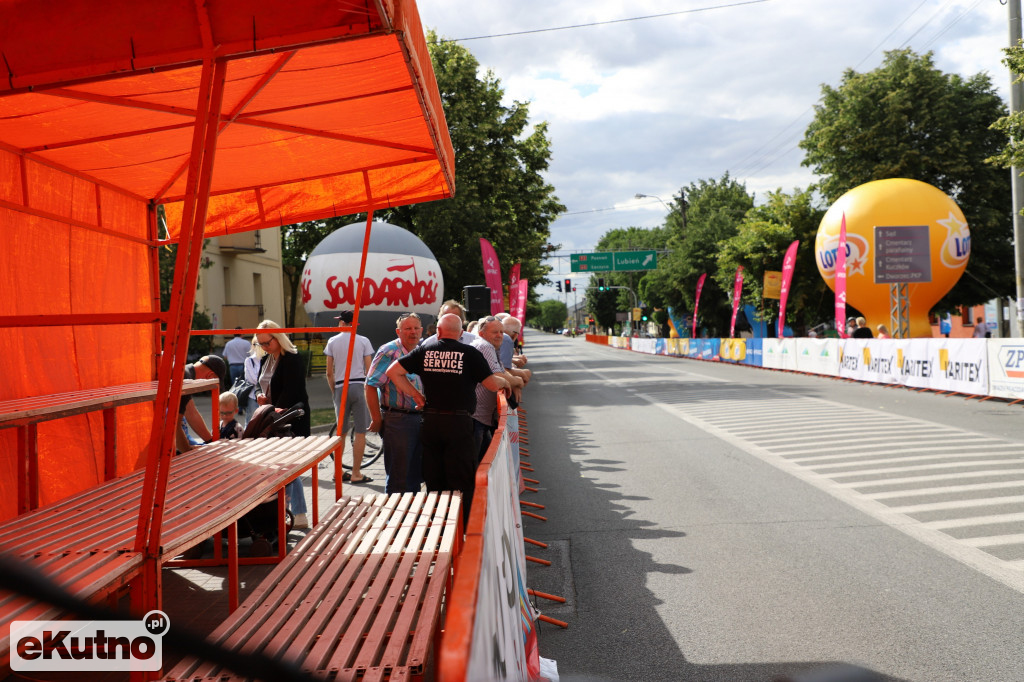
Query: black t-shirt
450	372
862	333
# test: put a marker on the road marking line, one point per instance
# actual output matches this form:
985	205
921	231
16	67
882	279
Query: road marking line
959	504
976	521
1005	572
970	487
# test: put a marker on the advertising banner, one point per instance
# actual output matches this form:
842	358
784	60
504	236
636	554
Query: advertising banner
737	289
875	360
504	637
645	346
754	352
696	303
1006	368
840	281
677	346
492	275
513	292
733	350
523	293
771	353
788	264
961	365
817	356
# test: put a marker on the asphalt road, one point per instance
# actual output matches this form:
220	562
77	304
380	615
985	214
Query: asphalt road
715	522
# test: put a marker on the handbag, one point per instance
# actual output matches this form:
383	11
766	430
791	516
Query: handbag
241	388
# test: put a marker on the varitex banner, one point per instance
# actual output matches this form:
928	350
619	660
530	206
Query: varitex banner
959	365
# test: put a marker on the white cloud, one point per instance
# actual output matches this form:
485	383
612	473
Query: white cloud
650	106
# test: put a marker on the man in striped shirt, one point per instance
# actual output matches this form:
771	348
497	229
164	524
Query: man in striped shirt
393	414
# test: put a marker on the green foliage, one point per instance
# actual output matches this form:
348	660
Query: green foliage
704	214
548	314
167	257
760	245
907	119
500	193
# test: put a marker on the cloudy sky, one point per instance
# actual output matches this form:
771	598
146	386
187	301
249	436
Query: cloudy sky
648	105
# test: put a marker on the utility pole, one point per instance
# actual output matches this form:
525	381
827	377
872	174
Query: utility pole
1017	182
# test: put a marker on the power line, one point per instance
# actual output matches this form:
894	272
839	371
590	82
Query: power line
600	23
776	153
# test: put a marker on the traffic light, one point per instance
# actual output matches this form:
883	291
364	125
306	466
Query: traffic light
558	285
568	285
600	283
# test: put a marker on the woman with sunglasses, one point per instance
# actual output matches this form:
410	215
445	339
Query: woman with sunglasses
282	383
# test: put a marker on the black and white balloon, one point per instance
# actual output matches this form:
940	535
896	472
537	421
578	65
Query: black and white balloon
401	276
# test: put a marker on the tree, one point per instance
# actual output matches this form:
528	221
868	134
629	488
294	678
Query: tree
548	314
907	119
760	244
704	214
500	193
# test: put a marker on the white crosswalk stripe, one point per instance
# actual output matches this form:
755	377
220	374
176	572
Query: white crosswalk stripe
957	490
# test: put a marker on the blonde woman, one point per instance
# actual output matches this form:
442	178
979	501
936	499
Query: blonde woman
282	383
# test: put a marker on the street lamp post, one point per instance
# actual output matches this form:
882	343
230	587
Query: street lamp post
638	195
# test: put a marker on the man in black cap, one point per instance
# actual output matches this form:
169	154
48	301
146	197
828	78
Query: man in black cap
207	367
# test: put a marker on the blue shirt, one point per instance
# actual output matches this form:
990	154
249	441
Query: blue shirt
387	392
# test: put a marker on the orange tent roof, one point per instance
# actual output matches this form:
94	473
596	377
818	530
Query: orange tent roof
330	107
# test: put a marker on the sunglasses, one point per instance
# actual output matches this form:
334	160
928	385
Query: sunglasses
266	344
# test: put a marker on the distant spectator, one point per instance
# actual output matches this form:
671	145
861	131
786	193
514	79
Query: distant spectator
453	307
863	331
235	352
980	328
883	332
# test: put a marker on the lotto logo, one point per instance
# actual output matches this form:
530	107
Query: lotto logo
89	645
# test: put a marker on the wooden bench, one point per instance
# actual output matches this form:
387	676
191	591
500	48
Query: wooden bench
86	543
359	597
26	413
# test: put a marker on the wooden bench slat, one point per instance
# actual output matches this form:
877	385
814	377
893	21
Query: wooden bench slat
349	651
359	597
263	612
418	614
86	543
377	636
58	405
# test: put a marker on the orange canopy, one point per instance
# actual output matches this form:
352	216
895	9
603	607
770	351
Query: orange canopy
328	106
322	107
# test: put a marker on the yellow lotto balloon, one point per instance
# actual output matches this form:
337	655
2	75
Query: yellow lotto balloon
896	230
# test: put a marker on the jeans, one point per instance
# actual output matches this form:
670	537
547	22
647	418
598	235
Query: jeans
296	496
403	454
482	435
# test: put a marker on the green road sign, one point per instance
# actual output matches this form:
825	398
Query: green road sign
635	260
617	261
591	262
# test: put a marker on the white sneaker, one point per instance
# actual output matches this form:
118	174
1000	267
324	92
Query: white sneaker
300	521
